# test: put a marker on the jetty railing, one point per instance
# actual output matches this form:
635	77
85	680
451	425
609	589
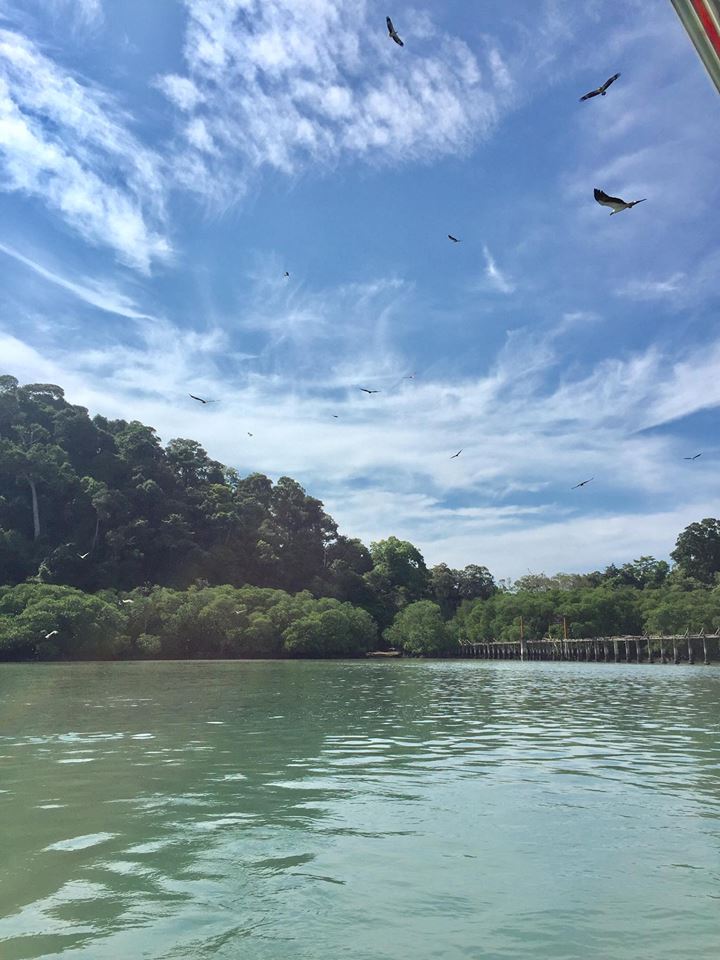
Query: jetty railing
675	648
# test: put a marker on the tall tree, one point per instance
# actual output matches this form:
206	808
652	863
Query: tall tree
697	550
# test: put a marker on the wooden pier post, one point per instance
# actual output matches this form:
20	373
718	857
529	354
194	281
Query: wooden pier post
691	658
704	643
616	650
676	656
649	650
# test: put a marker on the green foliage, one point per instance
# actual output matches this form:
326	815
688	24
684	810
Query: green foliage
697	550
421	631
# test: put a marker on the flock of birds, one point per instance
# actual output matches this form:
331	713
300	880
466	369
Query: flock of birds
616	204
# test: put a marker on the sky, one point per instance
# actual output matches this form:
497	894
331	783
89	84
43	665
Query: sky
162	165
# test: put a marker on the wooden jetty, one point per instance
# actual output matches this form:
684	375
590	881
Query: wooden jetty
682	648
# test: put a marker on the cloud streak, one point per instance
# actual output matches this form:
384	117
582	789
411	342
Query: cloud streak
69	145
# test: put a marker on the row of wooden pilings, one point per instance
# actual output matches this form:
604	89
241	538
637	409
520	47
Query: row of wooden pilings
673	649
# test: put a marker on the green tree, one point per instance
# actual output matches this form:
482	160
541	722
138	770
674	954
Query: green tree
421	631
697	550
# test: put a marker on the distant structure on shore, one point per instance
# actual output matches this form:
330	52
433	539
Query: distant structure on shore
701	19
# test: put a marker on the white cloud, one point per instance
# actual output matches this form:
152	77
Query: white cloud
104	296
495	277
281	84
69	145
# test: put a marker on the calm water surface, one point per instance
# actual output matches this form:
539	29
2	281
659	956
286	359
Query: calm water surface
369	811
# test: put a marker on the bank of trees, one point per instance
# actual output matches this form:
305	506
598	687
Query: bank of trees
95	512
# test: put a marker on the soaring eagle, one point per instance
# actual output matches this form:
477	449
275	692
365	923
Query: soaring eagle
601	91
616	203
393	32
582	483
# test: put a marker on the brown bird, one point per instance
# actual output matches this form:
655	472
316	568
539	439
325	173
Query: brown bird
200	399
393	32
616	203
601	91
582	483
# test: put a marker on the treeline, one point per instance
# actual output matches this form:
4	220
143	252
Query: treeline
113	545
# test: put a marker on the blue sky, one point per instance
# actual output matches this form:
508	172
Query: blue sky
163	164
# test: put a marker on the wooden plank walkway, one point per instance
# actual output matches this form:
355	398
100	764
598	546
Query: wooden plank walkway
680	648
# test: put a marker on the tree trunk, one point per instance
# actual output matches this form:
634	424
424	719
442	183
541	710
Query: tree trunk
36	512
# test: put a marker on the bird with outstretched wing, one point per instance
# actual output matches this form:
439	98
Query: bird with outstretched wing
601	91
616	203
582	483
693	458
365	390
393	32
454	239
456	455
200	399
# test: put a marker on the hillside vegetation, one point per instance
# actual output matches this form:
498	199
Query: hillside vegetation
113	545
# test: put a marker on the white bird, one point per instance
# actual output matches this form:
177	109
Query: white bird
616	203
51	634
84	556
127	601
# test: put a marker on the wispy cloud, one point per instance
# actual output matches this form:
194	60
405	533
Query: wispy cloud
104	296
280	85
69	145
495	277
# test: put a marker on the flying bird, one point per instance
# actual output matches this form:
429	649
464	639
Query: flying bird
286	275
601	91
410	377
84	556
456	454
336	416
693	458
51	634
616	203
582	483
127	601
393	32
200	399
454	239
365	390
250	434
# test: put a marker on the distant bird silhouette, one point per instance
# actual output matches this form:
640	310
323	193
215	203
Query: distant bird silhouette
456	454
693	458
250	434
601	91
616	203
454	239
410	377
582	483
286	274
200	399
365	390
336	416
84	556
51	634
393	32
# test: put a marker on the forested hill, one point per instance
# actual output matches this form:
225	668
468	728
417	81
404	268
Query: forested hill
113	545
72	485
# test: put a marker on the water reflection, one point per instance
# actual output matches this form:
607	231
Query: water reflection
369	809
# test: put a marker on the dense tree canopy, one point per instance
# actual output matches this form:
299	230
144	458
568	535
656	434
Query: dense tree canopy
113	545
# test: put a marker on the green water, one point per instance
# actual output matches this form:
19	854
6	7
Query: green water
368	811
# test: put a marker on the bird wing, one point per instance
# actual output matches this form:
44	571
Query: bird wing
393	32
454	239
196	398
608	201
593	93
607	83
